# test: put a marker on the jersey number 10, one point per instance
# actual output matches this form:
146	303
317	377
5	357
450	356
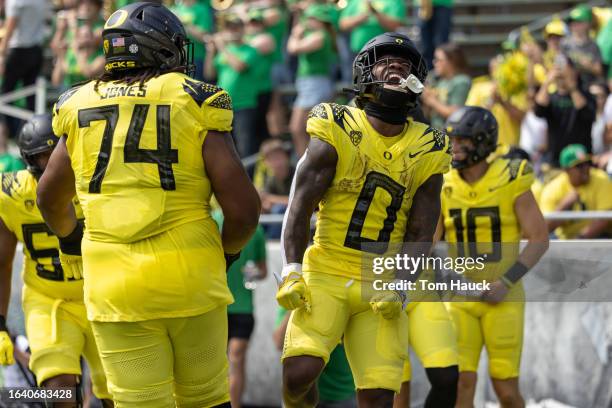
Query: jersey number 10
471	214
164	156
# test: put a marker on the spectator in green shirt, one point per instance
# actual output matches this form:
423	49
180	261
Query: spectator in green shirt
435	18
8	162
235	65
335	385
249	267
257	37
276	20
451	88
313	41
604	41
365	19
197	18
81	57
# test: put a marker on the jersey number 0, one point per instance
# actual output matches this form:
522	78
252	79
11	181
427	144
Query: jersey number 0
354	239
163	156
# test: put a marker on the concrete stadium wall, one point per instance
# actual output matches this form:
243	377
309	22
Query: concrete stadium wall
566	353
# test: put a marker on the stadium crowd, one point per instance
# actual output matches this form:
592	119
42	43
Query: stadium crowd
277	59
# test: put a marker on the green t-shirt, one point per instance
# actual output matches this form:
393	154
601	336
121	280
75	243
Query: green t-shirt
371	28
263	69
453	91
336	381
604	41
254	250
10	163
318	62
279	32
73	74
200	16
239	85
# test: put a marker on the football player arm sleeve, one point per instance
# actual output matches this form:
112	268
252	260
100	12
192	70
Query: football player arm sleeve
233	190
8	243
55	192
533	228
422	221
314	174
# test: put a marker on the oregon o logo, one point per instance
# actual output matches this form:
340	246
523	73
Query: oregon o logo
387	155
116	19
399	41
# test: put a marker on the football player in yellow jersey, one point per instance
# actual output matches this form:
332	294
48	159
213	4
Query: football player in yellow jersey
486	209
144	147
56	321
376	176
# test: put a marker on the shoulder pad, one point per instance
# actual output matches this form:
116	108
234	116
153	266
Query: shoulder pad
199	91
319	111
65	96
342	115
221	100
435	140
10	183
513	167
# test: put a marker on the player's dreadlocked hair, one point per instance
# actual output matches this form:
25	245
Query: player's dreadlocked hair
130	77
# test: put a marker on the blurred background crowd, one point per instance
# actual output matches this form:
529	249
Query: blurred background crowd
548	85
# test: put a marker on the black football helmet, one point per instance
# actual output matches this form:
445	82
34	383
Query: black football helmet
146	35
474	123
367	88
36	136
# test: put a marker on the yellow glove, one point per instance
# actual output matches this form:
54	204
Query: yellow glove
389	304
293	292
72	266
6	349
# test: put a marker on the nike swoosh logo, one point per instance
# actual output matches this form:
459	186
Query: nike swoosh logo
413	155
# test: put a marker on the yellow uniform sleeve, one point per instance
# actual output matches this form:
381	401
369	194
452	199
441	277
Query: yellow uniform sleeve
61	122
437	158
5	202
319	125
217	111
525	178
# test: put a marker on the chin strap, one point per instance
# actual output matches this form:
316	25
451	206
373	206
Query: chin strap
388	114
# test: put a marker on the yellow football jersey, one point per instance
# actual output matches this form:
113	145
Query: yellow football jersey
372	191
480	217
150	249
41	267
137	153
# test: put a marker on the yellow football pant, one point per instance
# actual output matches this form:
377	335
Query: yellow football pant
432	336
376	348
166	362
498	327
59	334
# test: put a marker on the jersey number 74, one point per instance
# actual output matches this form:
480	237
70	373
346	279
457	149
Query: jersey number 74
164	156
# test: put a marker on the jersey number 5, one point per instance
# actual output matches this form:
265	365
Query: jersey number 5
28	239
163	156
373	181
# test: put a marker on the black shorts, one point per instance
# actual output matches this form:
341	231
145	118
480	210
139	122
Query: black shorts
240	325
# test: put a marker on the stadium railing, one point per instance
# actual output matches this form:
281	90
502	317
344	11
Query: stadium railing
553	216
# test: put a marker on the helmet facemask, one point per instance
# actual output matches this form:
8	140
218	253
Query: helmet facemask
398	92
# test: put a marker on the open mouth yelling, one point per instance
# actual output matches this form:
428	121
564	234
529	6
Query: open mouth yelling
394	77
